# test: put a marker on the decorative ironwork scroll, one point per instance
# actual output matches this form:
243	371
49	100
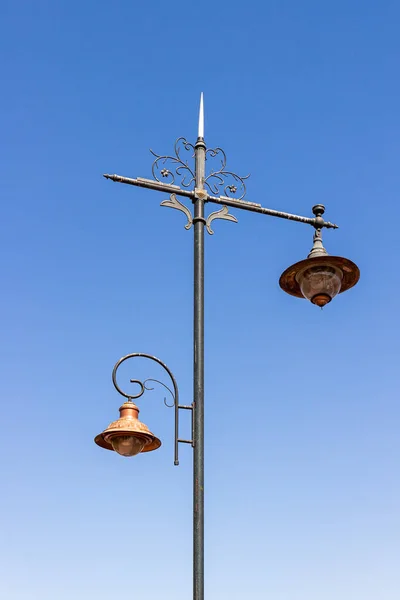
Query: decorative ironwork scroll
231	182
174	165
165	386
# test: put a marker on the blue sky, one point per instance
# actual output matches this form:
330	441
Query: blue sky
302	411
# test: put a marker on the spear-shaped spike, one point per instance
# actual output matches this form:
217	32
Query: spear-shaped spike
201	117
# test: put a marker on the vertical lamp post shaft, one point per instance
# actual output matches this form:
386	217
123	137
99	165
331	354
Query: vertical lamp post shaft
198	373
347	277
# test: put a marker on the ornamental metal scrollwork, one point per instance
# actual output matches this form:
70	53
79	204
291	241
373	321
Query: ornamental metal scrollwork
146	387
179	166
142	384
173	202
231	181
219	214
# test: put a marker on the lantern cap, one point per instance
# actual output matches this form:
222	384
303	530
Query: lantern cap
128	424
294	277
289	280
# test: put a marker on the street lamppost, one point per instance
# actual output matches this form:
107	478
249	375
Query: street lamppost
319	278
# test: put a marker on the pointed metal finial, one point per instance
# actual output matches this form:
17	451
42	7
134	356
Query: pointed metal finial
201	117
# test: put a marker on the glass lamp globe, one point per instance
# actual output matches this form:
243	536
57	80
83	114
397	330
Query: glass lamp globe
320	283
127	445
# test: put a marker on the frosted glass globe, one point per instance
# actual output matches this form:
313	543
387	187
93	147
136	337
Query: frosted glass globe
320	284
127	445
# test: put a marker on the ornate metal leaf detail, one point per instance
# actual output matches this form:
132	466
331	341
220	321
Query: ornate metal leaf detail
173	202
219	214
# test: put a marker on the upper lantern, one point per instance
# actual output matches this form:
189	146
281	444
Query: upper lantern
320	277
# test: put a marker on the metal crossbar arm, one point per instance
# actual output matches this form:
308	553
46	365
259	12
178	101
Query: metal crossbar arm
151	185
317	222
253	207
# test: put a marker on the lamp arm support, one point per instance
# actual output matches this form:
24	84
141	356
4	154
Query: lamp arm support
316	222
174	393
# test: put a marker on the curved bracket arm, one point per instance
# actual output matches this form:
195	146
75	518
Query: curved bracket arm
143	388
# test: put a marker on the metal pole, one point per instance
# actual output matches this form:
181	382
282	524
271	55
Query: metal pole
198	374
199	197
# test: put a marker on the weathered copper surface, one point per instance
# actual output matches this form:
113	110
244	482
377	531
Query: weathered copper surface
288	279
321	300
128	423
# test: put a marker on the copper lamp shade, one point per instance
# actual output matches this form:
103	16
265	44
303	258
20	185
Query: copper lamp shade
332	275
127	435
319	277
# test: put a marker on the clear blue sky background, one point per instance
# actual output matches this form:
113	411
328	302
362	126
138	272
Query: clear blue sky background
302	405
